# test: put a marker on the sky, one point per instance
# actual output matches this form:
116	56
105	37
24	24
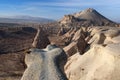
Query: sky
56	9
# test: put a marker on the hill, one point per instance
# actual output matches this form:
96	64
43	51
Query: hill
24	19
88	17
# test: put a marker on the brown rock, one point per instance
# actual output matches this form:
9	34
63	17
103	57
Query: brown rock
61	32
41	40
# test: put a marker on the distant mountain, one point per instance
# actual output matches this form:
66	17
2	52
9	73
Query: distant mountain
88	17
24	19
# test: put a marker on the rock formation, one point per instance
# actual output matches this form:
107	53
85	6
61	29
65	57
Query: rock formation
45	64
101	61
90	42
69	35
88	17
103	35
41	40
67	20
61	32
77	44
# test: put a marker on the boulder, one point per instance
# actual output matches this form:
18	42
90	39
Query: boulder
45	64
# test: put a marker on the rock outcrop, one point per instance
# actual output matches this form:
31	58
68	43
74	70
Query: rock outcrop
67	19
88	17
104	35
45	64
77	44
99	63
69	35
61	32
41	39
102	59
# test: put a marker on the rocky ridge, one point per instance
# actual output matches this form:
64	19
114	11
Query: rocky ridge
91	51
88	17
102	56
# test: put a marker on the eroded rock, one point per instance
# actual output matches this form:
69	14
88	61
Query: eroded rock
61	32
77	44
41	39
99	63
45	64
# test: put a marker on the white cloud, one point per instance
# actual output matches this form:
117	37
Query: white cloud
30	8
61	4
76	3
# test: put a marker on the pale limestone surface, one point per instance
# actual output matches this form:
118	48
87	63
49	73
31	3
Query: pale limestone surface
101	61
77	44
104	35
45	64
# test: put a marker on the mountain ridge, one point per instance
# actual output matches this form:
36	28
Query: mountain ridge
24	19
87	17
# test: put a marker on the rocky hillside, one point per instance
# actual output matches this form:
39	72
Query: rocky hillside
100	59
10	38
80	51
24	19
88	17
88	52
13	42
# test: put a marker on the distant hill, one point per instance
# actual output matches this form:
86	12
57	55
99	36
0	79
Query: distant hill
24	19
88	17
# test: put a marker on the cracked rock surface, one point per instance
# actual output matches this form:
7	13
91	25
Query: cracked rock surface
45	64
101	61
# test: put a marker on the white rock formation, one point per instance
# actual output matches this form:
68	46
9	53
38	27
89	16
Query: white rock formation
77	44
45	64
101	61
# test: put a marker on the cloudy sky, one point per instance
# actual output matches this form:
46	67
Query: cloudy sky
55	9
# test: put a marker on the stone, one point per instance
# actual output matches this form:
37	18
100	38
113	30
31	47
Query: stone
101	62
61	32
69	35
45	64
77	44
41	40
